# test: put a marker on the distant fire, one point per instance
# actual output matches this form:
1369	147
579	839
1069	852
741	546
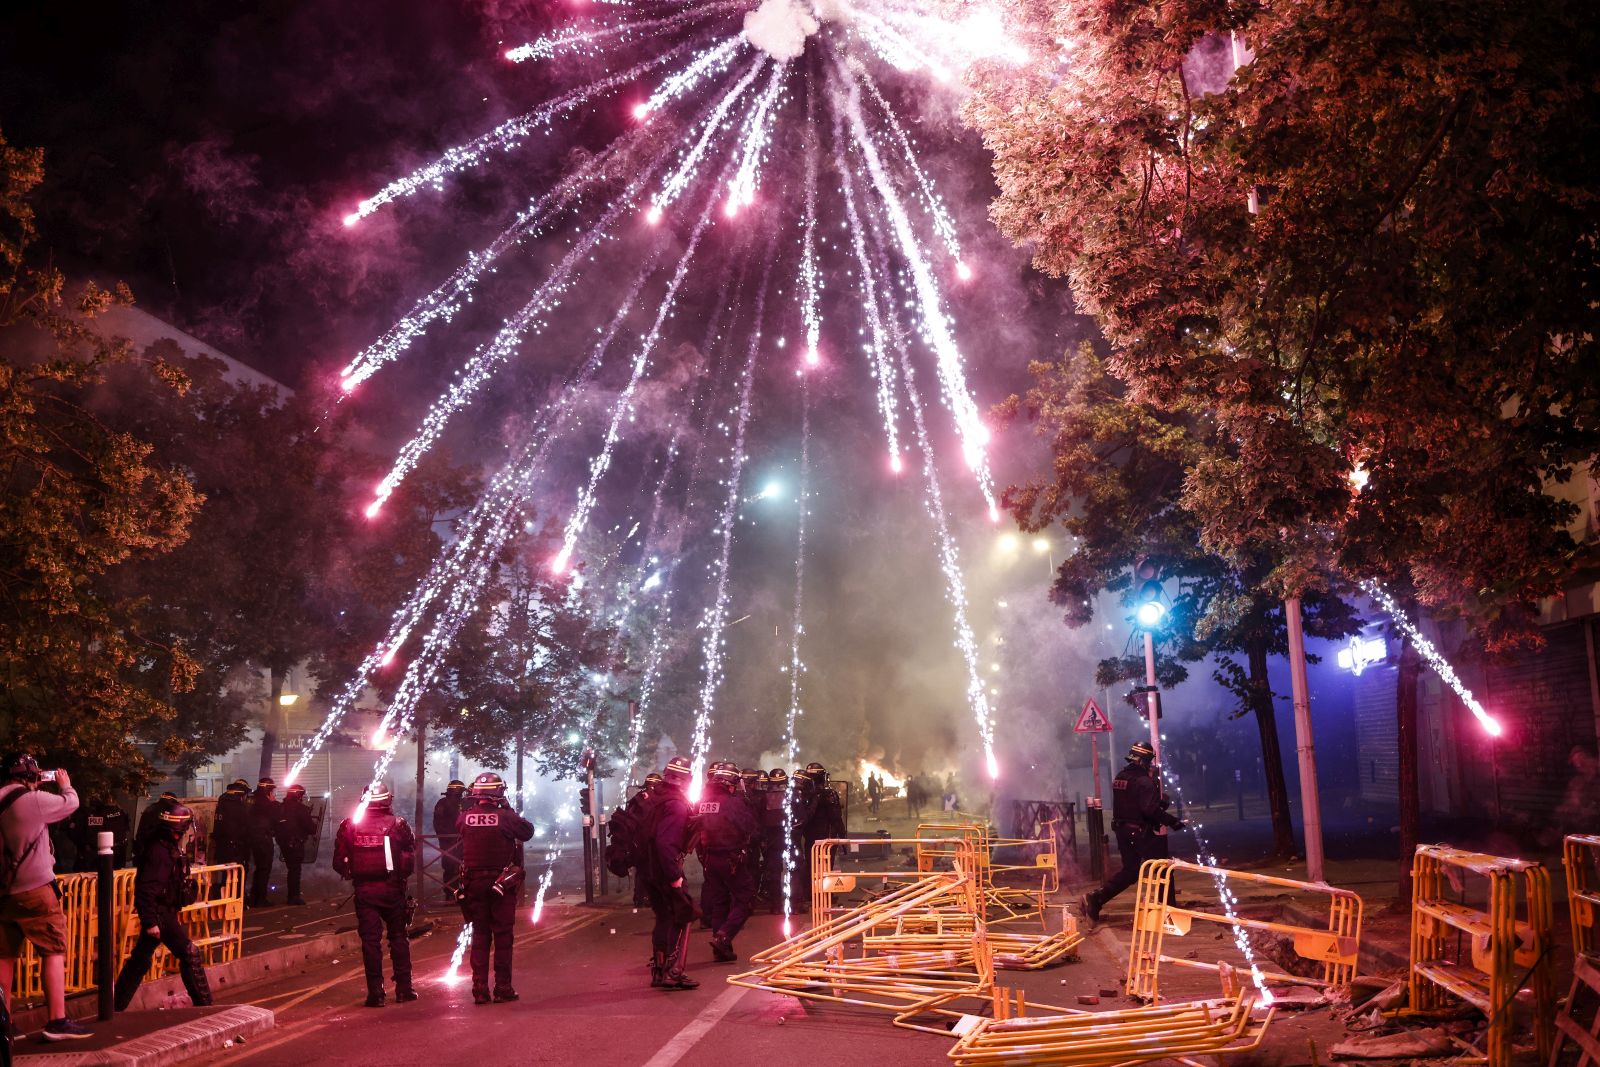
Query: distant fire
868	768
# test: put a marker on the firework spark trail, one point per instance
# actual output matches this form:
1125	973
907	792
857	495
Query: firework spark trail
1431	656
1225	895
550	856
716	617
943	225
490	357
679	180
810	276
447	299
877	352
453	974
791	743
480	537
555	44
753	141
708	63
949	558
894	48
934	324
505	137
624	404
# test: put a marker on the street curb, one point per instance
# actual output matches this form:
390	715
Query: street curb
1371	960
169	1045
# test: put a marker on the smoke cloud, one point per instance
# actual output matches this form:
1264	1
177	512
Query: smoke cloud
780	28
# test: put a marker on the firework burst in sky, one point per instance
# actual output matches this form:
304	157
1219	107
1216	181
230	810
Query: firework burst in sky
736	90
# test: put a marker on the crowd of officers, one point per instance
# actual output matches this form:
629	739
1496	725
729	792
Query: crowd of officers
739	830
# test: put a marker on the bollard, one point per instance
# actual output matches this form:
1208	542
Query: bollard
1094	825
105	957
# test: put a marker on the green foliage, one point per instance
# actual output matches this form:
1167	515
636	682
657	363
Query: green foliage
1416	295
86	673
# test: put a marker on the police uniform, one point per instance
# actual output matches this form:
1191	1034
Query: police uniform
1138	813
160	890
491	881
670	826
229	827
376	853
150	824
446	813
802	796
774	805
261	821
101	816
296	826
637	806
727	834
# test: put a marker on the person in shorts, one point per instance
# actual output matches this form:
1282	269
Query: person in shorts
30	910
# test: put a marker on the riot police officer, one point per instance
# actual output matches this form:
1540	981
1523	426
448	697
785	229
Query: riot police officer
637	805
1140	819
99	816
727	836
296	826
150	825
802	809
160	890
491	881
446	813
669	833
261	819
827	818
230	831
774	808
375	850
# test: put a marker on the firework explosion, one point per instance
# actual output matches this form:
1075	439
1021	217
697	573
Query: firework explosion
722	92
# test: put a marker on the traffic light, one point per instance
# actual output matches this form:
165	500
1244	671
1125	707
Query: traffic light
584	801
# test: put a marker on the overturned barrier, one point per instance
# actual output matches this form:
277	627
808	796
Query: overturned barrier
1474	952
1334	946
1012	892
1579	1019
215	921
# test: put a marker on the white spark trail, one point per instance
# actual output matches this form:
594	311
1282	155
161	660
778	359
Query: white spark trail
791	742
680	178
934	323
943	224
753	141
554	44
1432	656
710	62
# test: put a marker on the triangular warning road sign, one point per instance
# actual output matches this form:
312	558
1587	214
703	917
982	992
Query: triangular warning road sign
1091	720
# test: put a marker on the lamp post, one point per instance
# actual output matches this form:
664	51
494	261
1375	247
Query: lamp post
1149	615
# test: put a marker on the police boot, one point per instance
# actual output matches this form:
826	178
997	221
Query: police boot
504	994
480	994
1090	907
192	969
404	994
376	998
674	978
658	969
722	950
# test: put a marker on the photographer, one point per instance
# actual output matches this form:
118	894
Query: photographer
29	906
376	851
491	881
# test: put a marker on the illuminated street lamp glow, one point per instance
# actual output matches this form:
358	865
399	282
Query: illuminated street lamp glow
1041	545
1149	614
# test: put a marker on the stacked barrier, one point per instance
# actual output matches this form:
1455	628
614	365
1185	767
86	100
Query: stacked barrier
1335	946
215	921
1508	934
1004	901
1581	859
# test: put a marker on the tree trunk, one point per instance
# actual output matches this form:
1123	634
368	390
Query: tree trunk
272	723
1271	751
1406	735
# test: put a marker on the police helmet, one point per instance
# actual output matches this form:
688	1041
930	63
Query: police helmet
725	775
379	798
297	791
238	785
817	772
778	776
1141	752
488	785
266	783
167	795
456	786
177	819
750	774
22	767
677	772
652	779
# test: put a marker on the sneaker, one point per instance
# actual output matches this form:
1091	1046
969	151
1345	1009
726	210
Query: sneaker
505	994
65	1030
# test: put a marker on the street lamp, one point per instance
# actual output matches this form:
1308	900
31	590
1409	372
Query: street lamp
287	699
1149	614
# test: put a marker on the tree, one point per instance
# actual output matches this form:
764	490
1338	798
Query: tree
1370	252
86	674
523	672
1118	472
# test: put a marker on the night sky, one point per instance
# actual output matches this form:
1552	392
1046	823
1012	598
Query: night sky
205	153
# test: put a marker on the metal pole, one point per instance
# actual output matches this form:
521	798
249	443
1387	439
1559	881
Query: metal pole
1310	801
1151	699
422	769
104	959
600	831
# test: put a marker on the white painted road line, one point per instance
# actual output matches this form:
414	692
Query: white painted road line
687	1038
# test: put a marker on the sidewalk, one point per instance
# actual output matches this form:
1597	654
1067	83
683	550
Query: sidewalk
151	1038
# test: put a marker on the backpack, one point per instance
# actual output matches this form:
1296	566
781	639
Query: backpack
8	866
622	841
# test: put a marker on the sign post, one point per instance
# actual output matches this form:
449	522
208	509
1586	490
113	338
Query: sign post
1094	722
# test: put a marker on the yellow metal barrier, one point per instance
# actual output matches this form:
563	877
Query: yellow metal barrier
1508	933
215	921
1581	859
1003	902
1335	946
